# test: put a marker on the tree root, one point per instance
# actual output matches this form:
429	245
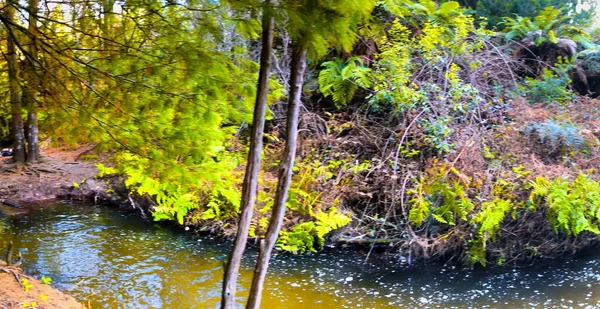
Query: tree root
15	270
33	170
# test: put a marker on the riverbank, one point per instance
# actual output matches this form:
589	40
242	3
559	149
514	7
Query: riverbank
30	292
60	175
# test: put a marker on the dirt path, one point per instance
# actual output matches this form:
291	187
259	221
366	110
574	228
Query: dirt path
50	179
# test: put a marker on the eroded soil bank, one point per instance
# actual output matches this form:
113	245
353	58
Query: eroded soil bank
30	292
54	177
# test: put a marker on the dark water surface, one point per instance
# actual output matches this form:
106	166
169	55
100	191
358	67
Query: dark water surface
114	260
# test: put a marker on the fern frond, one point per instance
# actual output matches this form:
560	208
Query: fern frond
340	80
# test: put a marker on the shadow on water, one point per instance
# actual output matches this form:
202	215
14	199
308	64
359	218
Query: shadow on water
120	261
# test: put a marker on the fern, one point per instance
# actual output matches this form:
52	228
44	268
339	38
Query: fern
441	197
419	210
488	220
558	136
327	222
454	206
490	216
573	207
549	24
540	188
307	236
341	79
300	239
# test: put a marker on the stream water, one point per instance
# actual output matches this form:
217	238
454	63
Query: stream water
115	260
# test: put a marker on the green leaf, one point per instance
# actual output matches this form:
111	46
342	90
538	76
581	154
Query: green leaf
46	280
447	8
439	218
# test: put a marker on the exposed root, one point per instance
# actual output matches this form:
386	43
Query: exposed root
14	269
33	169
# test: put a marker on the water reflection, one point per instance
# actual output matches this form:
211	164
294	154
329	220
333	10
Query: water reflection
119	261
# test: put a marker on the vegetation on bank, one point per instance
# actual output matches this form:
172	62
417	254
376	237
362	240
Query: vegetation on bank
443	133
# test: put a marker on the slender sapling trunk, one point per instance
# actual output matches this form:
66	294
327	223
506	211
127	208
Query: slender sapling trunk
284	177
253	168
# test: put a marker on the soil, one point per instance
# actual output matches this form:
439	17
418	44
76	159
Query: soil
59	175
13	294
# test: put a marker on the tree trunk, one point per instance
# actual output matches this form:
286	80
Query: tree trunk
30	92
15	99
106	27
107	20
253	168
285	177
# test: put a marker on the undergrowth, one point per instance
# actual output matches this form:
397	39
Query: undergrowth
428	148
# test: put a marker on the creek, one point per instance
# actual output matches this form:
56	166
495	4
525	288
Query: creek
116	260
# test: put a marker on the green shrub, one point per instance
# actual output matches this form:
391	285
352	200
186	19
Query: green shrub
493	10
89	157
549	24
551	87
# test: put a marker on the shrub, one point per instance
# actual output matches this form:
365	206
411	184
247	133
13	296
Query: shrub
551	87
493	10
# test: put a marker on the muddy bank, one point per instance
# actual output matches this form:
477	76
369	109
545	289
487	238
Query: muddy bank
55	176
30	292
60	175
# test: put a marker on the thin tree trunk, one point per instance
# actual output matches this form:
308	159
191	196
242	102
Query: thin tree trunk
253	168
15	99
285	177
107	20
30	92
